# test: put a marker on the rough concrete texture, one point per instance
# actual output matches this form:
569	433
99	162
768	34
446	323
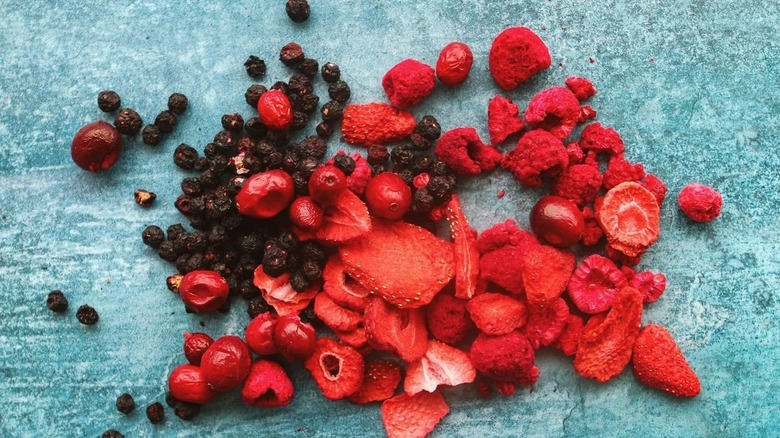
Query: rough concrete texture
691	85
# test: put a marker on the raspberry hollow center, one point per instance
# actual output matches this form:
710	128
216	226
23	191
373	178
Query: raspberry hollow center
331	365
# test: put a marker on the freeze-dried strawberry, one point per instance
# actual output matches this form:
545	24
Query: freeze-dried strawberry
570	337
497	314
408	83
341	288
357	339
579	183
545	272
441	365
358	179
400	262
575	153
538	154
555	109
503	119
464	244
407	416
629	216
595	284
399	331
655	186
375	123
505	358
546	322
346	218
280	295
502	247
586	113
593	232
596	137
462	150
619	171
621	259
517	54
700	203
581	87
605	347
447	319
335	316
659	363
267	386
337	368
380	379
649	284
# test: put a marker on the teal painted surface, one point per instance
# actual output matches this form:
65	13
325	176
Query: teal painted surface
691	85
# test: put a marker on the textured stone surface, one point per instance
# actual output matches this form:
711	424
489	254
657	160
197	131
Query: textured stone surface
691	85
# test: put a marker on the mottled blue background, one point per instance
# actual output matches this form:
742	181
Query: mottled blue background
692	85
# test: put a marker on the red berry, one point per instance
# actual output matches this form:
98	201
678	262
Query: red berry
306	213
259	334
388	196
421	181
275	110
96	146
326	182
294	339
699	202
203	291
188	384
454	64
195	344
226	363
557	221
266	194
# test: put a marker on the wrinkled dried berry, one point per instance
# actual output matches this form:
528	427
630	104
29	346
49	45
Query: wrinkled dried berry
275	261
308	67
420	143
87	315
402	156
125	403
423	201
300	84
185	410
128	122
324	129
298	10
165	121
185	156
339	91
377	154
255	67
233	122
177	103
308	103
257	306
253	93
155	413
332	111
108	101
56	301
291	54
330	72
255	128
429	128
344	163
151	135
144	198
300	119
298	281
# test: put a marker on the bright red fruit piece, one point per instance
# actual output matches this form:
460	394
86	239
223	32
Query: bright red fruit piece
337	368
280	295
659	363
505	358
630	218
656	186
341	288
399	331
503	119
357	339
335	316
441	365
595	284
570	338
579	183
557	221
375	123
538	154
546	322
293	338
502	247
226	363
555	110
326	184
265	194
496	314
545	273
448	320
598	138
464	242
388	196
259	334
346	218
195	344
275	110
203	291
649	284
408	83
581	87
620	170
406	416
96	146
380	379
463	151
517	54
188	383
454	64
267	386
700	203
306	213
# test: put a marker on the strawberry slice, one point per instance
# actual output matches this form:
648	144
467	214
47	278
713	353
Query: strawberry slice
280	295
341	288
546	322
356	339
502	247
570	337
496	314
335	316
441	365
337	368
406	416
380	379
403	263
464	239
345	218
399	331
659	363
546	272
630	217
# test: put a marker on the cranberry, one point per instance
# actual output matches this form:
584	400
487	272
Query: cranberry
275	110
203	291
388	196
226	363
326	182
306	213
187	383
557	221
96	146
266	194
293	338
195	344
259	334
454	64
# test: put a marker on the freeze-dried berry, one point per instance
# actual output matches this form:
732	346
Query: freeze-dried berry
428	127
308	67
496	314
595	284
339	91
649	284
344	163
177	103
332	111
324	129
275	261
128	122
312	147
108	101
619	171
593	232
337	369
298	10
408	83
300	119
402	156
441	365
441	187
656	186
255	67
152	135
538	154
659	363
377	154
56	301
581	87
291	54
700	203
125	403
267	385
185	156
96	146
630	218
598	138
87	315
253	93
448	320
375	123
165	121
300	84
257	306
413	415
255	128
155	413
505	358
579	183
454	64
570	338
233	122
586	113
546	322
275	110
419	142
555	110
422	201
144	198
516	55
330	72
463	151
503	119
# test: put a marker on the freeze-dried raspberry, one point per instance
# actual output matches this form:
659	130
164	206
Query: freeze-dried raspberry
502	248
596	137
546	323
699	202
555	109
579	183
620	171
516	55
593	232
576	155
620	258
505	358
649	284
570	337
447	319
496	314
538	154
655	186
463	151
594	284
375	123
503	119
586	113
408	83
581	87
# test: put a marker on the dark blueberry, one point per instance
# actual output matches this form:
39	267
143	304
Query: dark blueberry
186	411
87	315
177	103
429	128
312	252
407	175
255	128
278	138
210	151
209	178
191	186
56	301
324	129
235	184
217	235
274	160
248	290
291	54
153	236
294	261
402	156
197	241
376	169
298	281
108	101
308	316
441	187
281	86
344	163
339	91
419	142
255	67
312	271
233	122
312	147
166	121
128	122
308	103
125	403
298	10
251	243
176	231
332	111
201	164
167	251
421	164
144	198
422	202
440	169
301	182
308	67
185	156
288	241
291	161
377	154
112	433
155	413
257	306
330	72
225	142
300	84
253	94
300	119
275	261
151	135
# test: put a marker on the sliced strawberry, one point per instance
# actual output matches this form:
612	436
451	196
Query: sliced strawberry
335	316
345	219
496	314
403	263
464	239
337	368
380	378
546	322
341	288
659	363
357	339
546	272
280	295
407	416
570	337
629	216
447	319
399	331
441	365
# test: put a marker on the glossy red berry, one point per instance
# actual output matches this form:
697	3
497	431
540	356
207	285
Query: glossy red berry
306	213
226	363
188	384
195	344
454	64
96	146
203	291
266	194
326	182
557	221
388	196
259	334
275	110
294	339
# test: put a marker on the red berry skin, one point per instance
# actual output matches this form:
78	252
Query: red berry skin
259	334
187	383
266	194
96	146
195	344
275	110
454	64
557	221
326	182
226	363
700	203
203	291
306	213
388	196
294	339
